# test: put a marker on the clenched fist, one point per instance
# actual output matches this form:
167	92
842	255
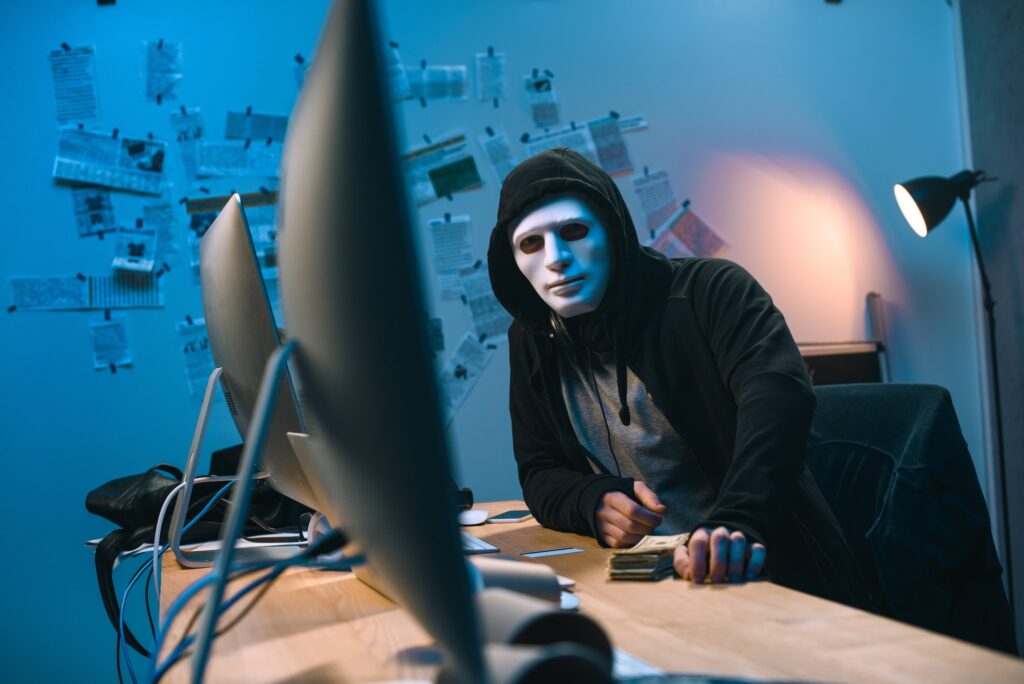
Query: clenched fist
720	555
622	522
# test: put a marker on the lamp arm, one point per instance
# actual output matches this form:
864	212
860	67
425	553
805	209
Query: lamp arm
985	284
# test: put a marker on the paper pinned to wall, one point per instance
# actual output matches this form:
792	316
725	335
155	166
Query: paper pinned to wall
461	373
574	137
687	235
199	222
657	199
262	226
612	153
631	124
160	219
213	203
163	70
125	291
490	76
103	159
188	125
398	80
111	346
540	94
451	240
74	84
44	293
496	146
490	319
249	125
273	286
435	331
438	82
94	212
238	158
193	252
196	354
202	210
260	214
299	71
135	250
439	169
83	293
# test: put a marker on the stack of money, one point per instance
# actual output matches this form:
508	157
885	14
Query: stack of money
649	560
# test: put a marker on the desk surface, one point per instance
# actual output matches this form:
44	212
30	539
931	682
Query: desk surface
325	626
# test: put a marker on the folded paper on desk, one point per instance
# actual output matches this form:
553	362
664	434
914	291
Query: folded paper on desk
551	552
626	665
532	579
508	617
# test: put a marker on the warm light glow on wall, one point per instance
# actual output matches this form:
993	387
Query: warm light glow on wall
806	234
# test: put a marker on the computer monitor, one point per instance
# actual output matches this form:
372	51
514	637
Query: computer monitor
242	333
353	298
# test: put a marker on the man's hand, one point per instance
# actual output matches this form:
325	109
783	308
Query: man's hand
720	556
622	522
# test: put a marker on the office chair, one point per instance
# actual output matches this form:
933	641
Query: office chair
893	464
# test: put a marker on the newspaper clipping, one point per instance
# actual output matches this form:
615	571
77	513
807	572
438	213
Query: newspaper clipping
121	290
111	347
188	125
490	319
163	70
687	235
135	250
239	159
496	146
461	373
441	168
94	213
74	84
657	200
451	240
103	159
196	354
490	76
249	125
438	82
578	138
612	152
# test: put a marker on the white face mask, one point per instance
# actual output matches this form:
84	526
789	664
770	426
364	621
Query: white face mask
562	249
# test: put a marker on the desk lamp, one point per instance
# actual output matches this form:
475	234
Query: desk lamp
925	202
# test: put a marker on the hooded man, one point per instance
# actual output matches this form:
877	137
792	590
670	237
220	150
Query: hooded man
655	395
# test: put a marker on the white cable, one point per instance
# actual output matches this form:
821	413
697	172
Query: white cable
156	535
163	512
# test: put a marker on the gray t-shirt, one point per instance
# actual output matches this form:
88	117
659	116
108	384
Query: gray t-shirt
648	449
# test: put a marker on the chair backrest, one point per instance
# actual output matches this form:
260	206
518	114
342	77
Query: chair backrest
854	478
892	462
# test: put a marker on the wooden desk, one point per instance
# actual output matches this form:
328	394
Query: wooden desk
320	626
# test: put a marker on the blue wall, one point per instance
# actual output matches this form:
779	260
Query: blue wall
786	124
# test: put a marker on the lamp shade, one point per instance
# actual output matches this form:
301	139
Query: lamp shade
926	201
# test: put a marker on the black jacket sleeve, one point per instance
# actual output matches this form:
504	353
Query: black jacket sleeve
558	492
759	363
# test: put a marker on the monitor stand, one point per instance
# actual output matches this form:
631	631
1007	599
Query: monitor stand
204	558
234	521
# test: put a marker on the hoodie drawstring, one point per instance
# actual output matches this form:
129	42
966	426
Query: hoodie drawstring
620	379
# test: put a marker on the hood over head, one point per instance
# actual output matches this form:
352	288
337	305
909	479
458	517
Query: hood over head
555	173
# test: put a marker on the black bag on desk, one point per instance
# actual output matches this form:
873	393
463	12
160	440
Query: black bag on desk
133	503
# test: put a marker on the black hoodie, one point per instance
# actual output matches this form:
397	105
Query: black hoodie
716	358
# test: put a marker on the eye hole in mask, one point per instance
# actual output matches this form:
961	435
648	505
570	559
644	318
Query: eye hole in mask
569	232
